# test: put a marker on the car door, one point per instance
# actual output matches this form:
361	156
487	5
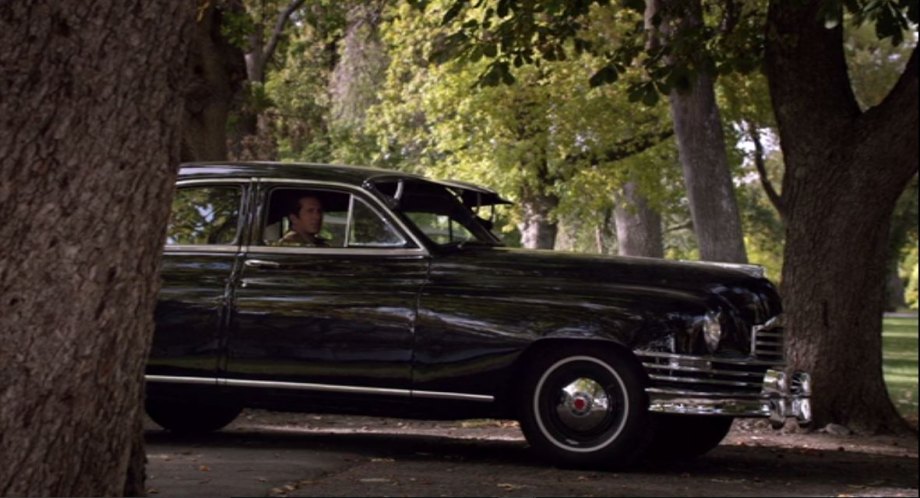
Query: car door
200	260
330	320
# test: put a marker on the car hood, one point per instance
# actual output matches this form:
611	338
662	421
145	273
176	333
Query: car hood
556	271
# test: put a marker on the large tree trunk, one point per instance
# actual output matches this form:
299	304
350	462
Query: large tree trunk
638	225
361	66
90	107
701	141
217	70
538	228
844	172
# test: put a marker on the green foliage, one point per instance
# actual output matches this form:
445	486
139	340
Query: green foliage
889	18
299	88
899	353
548	133
874	65
207	215
910	294
558	106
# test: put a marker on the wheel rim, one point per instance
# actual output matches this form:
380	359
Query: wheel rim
580	404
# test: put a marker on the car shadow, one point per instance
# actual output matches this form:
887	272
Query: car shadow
726	463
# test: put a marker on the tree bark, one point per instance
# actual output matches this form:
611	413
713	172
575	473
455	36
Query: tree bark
361	66
217	70
638	225
537	227
844	172
701	141
90	107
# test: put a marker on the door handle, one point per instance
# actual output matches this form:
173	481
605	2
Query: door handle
261	263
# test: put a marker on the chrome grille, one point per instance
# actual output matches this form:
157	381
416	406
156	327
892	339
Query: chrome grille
767	340
708	376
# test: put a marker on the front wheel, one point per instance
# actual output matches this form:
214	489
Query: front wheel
191	418
586	408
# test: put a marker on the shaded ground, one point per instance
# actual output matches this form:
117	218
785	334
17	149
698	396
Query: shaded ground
307	455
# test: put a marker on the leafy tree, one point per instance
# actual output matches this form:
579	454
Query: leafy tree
353	84
261	31
837	209
512	32
299	88
527	139
89	145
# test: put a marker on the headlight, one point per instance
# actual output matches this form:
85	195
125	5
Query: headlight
712	331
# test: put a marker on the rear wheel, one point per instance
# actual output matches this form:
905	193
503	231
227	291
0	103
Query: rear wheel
682	437
191	418
586	408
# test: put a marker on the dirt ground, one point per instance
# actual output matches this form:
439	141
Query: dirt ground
282	454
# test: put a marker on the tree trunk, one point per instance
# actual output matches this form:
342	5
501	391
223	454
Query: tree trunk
844	172
90	107
701	143
217	70
638	225
361	66
894	288
538	229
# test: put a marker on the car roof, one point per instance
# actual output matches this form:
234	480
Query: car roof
308	171
471	195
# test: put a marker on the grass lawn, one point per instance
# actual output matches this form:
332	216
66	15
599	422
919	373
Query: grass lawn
899	342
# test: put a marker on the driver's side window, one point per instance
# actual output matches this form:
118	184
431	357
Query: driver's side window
325	218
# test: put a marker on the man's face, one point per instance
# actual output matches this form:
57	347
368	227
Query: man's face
309	220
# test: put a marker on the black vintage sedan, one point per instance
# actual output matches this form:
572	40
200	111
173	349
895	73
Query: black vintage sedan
399	301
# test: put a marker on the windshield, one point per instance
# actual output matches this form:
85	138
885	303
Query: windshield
438	213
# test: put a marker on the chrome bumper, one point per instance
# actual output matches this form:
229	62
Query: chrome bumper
781	397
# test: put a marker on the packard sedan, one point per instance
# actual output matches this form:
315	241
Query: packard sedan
334	289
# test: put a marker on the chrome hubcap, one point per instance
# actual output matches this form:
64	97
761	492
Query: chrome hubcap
583	405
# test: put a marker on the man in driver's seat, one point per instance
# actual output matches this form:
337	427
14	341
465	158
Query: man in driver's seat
306	216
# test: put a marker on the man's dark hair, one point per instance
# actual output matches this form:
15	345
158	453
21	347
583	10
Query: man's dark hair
292	202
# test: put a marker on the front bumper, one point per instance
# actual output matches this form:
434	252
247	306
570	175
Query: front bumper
781	397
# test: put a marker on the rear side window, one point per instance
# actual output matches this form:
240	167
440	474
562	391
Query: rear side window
204	215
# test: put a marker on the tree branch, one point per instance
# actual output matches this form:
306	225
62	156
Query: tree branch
775	198
624	149
896	118
730	16
283	17
684	226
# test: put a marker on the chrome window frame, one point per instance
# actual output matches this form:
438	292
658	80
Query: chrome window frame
375	205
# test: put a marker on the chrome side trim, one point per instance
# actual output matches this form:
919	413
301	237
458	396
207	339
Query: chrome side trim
181	380
222	249
455	396
337	251
212	181
300	386
271	384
